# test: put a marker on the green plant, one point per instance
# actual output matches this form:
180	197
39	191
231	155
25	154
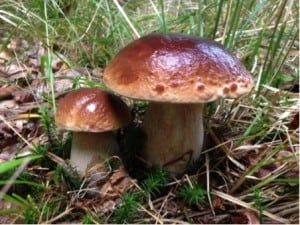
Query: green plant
12	164
258	203
67	177
89	33
12	174
26	206
57	145
192	194
155	181
32	210
46	61
47	122
31	213
128	209
91	219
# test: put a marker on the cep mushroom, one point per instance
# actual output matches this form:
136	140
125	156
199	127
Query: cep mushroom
92	115
176	74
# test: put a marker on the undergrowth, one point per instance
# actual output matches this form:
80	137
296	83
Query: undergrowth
251	160
193	194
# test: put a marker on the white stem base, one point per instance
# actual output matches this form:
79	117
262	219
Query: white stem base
89	148
174	135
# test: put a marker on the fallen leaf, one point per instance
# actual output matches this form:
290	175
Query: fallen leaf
5	55
117	184
6	92
108	206
7	218
110	190
254	157
35	56
238	219
17	44
294	124
217	203
251	216
7	105
23	96
97	72
57	64
16	71
289	158
62	85
107	191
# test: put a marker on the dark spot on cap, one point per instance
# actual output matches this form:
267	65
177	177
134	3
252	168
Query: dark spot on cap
159	88
200	87
233	87
174	85
225	90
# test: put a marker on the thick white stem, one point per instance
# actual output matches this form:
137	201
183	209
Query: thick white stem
89	148
174	135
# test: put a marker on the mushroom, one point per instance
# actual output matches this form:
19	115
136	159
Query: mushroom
92	115
177	74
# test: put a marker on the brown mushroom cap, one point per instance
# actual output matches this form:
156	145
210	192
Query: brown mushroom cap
177	68
91	110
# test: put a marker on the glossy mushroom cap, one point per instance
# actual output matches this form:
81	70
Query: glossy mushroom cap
91	110
177	68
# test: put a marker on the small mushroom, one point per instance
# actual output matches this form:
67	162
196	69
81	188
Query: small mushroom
92	115
177	74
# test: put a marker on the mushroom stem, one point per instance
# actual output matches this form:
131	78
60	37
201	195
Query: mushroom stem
90	148
174	135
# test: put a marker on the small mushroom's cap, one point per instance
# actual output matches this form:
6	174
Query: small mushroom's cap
91	110
177	68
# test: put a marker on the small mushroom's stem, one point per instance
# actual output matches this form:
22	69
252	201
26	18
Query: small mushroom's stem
89	148
174	135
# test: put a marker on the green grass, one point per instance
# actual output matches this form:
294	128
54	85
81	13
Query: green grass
6	166
128	209
258	203
155	181
193	194
87	34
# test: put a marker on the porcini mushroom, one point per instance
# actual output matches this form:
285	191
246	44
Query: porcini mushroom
92	115
176	73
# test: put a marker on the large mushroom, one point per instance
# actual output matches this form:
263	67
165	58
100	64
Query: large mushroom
176	74
92	115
